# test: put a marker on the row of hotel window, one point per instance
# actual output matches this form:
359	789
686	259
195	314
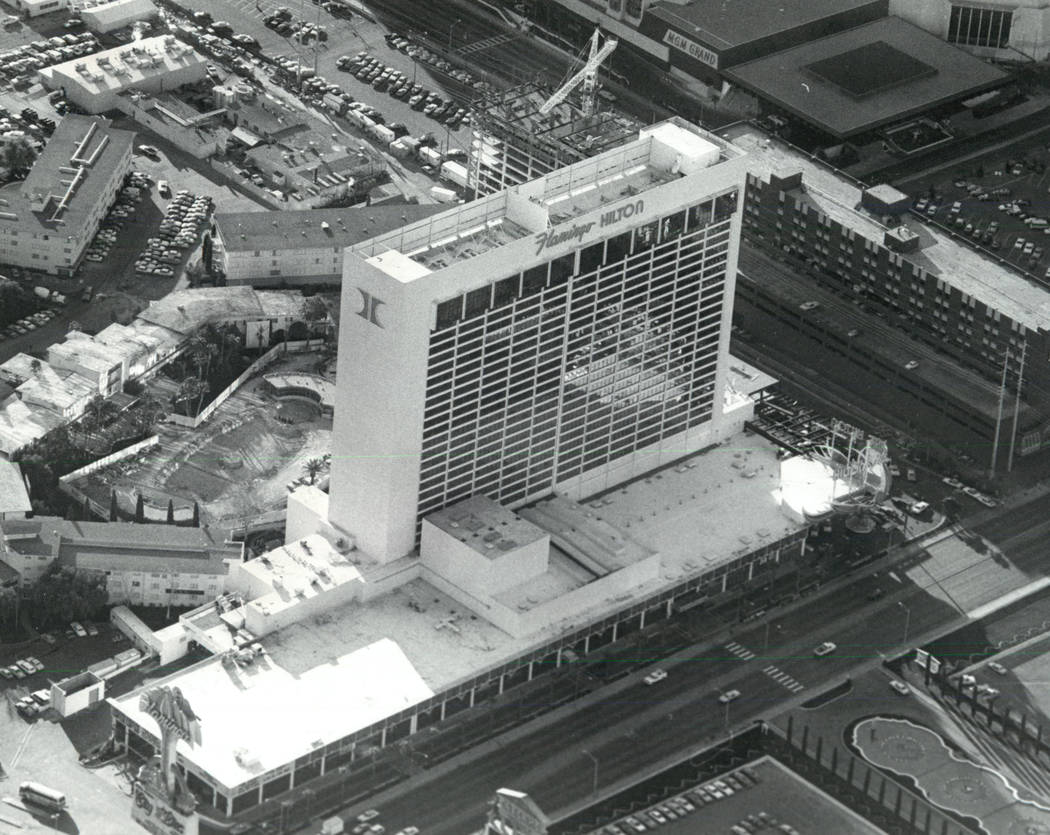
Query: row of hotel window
633	247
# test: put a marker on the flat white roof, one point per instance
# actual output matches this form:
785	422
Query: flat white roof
743	472
13	495
284	704
21	423
334	673
127	65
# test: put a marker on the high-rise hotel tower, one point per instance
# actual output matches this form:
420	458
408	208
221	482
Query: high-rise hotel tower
569	334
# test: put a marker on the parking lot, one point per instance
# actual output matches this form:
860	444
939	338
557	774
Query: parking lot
762	797
1018	684
118	292
348	37
999	201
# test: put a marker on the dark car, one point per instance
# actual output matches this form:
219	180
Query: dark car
202	18
221	29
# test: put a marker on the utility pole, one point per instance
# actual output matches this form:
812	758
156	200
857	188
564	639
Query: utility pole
907	619
1017	407
594	759
999	417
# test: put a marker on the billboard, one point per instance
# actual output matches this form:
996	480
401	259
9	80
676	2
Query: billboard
155	814
691	48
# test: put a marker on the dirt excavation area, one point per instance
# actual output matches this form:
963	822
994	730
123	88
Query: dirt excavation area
237	467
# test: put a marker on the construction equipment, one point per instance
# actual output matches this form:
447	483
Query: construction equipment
588	76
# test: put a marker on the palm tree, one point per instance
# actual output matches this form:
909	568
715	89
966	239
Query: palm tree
189	389
95	408
313	467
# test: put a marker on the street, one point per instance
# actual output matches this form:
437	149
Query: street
629	727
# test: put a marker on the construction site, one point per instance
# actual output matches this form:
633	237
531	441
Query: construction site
528	131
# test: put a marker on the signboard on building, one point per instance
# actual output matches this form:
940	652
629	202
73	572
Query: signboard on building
691	48
155	814
515	813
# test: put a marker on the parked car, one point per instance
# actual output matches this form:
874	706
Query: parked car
78	630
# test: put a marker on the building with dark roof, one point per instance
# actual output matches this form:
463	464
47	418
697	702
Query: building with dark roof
145	565
1005	30
731	33
267	249
48	219
700	38
877	74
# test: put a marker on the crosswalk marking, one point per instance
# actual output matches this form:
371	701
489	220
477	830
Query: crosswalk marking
784	679
487	43
739	651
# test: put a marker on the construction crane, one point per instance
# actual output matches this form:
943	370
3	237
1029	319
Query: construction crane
588	76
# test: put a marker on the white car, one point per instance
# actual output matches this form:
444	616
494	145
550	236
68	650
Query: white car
987	690
900	687
953	482
80	631
367	815
655	676
919	508
729	696
987	501
996	667
966	680
825	648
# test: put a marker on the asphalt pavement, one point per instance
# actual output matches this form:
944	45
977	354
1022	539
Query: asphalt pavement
630	728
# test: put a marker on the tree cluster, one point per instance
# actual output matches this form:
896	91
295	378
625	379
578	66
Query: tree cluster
65	593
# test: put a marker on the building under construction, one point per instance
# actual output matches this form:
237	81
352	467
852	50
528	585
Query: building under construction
514	141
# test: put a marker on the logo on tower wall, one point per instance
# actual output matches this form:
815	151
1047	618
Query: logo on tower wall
370	307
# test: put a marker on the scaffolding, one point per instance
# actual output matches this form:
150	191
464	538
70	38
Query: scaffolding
514	142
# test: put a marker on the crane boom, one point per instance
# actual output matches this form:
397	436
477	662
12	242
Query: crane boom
586	76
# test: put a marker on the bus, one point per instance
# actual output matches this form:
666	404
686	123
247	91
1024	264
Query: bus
36	794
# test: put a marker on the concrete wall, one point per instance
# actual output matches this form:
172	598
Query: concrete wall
274	611
187	139
40	7
77	693
94	98
570	608
119	455
294	267
1029	31
478	573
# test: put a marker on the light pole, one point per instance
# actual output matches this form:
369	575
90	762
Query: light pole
452	26
765	643
727	703
594	759
907	619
